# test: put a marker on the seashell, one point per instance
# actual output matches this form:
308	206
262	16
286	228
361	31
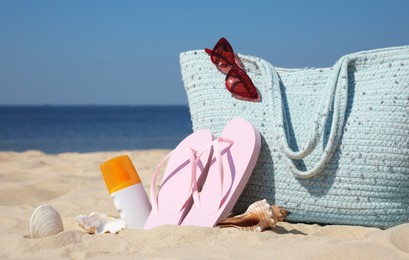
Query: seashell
98	223
258	217
45	221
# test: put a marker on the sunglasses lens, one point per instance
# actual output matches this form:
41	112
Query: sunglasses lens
223	55
238	83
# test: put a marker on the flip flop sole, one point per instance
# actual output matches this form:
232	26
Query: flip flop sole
217	198
176	180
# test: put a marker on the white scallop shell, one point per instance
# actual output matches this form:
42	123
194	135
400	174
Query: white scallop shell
98	223
45	221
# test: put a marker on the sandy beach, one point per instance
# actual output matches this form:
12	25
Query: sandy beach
72	183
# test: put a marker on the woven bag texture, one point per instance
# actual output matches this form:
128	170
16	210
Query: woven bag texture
335	141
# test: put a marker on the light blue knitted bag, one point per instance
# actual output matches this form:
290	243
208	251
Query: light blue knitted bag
335	141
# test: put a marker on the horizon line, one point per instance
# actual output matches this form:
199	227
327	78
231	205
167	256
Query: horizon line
89	105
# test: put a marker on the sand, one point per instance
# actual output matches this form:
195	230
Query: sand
72	183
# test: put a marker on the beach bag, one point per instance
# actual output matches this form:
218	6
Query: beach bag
335	141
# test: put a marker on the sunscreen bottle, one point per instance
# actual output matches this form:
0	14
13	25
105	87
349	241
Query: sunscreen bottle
126	189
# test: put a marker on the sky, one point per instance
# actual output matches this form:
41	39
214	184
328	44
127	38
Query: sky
98	52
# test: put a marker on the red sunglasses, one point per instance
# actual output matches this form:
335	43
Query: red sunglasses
237	80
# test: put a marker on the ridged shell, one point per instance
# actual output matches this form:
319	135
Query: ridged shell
98	223
45	221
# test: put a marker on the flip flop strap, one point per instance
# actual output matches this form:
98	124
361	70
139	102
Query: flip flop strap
216	148
153	190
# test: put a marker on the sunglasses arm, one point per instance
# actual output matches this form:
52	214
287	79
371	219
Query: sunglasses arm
208	51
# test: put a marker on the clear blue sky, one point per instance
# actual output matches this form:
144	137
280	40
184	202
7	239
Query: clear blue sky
127	52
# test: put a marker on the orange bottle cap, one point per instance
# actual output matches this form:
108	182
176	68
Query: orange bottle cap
119	173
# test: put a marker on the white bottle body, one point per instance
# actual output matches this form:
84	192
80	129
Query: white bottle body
133	205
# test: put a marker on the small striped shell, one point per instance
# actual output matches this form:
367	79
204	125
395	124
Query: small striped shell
45	221
258	217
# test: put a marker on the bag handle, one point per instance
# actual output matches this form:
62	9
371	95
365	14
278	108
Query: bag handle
336	95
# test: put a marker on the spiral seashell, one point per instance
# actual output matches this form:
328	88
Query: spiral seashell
258	217
45	221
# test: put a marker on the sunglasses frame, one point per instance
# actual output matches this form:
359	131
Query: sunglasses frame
237	81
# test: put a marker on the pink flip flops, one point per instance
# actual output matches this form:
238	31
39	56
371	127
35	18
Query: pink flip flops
173	201
235	155
213	173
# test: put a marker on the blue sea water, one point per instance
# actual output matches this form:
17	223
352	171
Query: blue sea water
56	129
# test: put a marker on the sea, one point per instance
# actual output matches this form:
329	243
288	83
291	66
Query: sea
58	129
